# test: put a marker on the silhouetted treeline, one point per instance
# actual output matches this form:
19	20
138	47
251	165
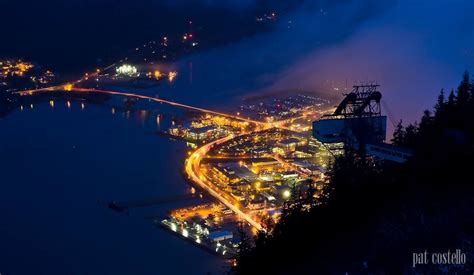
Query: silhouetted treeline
379	213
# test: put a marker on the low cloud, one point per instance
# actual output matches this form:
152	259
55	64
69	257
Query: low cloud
413	51
412	48
256	63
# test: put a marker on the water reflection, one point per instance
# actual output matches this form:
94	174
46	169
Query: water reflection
147	115
158	120
142	115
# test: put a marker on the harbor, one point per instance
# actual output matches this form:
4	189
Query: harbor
220	242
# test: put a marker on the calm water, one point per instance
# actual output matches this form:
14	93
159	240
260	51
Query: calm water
58	167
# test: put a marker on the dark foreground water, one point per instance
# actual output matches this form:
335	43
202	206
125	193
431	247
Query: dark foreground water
58	168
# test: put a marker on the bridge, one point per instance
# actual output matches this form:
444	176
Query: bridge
71	88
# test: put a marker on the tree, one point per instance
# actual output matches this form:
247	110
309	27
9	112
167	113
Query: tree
440	104
411	135
310	193
451	100
426	121
245	246
463	93
398	138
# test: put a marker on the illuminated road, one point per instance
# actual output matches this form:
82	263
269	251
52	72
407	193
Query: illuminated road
193	171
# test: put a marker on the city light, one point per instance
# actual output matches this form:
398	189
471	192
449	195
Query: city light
157	74
68	87
14	68
172	75
127	70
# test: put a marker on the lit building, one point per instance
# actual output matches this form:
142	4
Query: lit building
218	236
257	203
241	185
127	70
201	133
286	146
224	175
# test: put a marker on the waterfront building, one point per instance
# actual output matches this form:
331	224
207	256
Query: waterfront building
218	236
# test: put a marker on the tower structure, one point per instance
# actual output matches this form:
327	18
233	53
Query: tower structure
358	123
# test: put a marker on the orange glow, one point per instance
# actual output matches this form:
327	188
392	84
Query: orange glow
68	87
158	120
172	75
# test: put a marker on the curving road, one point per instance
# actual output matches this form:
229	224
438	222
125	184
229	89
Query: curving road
193	171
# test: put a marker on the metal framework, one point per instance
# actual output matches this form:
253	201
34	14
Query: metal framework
363	101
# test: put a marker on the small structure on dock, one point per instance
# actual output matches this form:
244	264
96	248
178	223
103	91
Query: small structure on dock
221	235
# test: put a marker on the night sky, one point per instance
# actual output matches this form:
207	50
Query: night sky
412	48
